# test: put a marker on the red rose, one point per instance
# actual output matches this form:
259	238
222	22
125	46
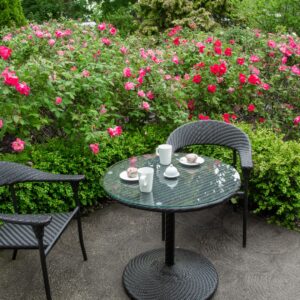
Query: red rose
251	107
176	41
217	43
203	118
228	52
240	61
218	50
197	78
211	88
242	78
254	79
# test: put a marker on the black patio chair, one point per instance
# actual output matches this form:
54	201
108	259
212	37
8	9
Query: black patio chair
218	133
36	231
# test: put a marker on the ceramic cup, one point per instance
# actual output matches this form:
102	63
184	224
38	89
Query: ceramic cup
145	179
164	152
191	157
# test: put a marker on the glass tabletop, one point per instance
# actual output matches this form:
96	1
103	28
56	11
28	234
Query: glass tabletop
207	184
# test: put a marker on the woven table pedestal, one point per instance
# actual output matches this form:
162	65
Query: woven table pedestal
192	277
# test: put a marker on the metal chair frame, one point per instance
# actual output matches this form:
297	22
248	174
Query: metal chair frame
210	132
35	231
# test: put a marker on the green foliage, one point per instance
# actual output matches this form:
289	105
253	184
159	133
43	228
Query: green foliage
66	157
158	14
11	13
271	15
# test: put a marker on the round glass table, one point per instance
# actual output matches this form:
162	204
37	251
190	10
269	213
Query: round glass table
171	273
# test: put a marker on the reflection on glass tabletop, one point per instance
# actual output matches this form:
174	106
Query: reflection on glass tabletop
197	187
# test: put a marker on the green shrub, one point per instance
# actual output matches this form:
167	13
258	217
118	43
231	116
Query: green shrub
271	15
73	157
274	185
157	15
11	13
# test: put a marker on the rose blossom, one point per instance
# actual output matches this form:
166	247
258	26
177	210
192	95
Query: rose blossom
141	93
261	120
145	105
186	76
251	107
129	86
228	52
123	50
103	109
5	52
7	37
150	95
218	50
271	44
58	100
197	78
203	117
18	145
102	26
265	86
23	88
175	60
211	88
168	77
115	131
254	79
85	73
295	70
242	78
1	123
254	58
240	61
126	72
297	120
94	148
9	77
106	41
113	31
51	42
231	90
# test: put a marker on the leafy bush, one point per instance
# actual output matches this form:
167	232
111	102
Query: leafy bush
274	185
157	15
76	82
11	13
67	157
271	15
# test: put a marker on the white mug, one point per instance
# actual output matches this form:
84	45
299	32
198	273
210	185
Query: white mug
145	179
164	152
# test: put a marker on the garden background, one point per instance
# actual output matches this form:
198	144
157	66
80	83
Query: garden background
85	84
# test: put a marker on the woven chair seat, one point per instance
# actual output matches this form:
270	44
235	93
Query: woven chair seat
22	236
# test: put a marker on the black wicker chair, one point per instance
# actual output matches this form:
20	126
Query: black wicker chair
218	133
36	231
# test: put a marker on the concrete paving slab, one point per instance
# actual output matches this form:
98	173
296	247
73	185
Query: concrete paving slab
269	268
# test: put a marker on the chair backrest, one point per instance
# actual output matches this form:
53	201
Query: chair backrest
212	132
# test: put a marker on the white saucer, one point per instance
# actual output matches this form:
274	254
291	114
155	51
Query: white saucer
123	175
198	162
171	177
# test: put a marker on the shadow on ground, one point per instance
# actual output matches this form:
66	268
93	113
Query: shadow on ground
269	268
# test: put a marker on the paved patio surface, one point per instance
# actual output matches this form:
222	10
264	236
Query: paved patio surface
269	268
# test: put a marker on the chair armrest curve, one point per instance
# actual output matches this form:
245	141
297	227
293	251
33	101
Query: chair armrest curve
34	220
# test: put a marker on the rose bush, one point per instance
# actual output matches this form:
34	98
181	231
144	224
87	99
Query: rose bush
87	83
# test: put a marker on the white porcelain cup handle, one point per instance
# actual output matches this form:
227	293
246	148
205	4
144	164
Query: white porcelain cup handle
157	151
143	180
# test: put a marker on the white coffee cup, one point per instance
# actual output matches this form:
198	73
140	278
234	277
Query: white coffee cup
164	152
145	179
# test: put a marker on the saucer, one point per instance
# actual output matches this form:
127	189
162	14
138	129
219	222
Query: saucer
198	162
123	175
171	177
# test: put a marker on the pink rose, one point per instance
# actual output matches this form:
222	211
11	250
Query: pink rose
150	95
7	37
297	120
129	86
113	31
102	26
18	145
85	73
1	123
175	60
141	93
127	72
9	77
94	148
271	44
58	100
254	58
5	52
168	77
103	109
231	90
106	41
254	79
59	33
39	34
145	105
23	88
140	80
60	52
123	50
51	42
295	70
265	86
186	76
115	131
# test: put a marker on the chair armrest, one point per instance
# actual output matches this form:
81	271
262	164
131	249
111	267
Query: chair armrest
34	220
246	159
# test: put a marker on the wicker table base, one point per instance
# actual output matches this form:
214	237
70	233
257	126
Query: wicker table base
192	277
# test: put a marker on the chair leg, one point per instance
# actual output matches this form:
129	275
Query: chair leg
81	236
245	218
14	256
163	226
39	233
